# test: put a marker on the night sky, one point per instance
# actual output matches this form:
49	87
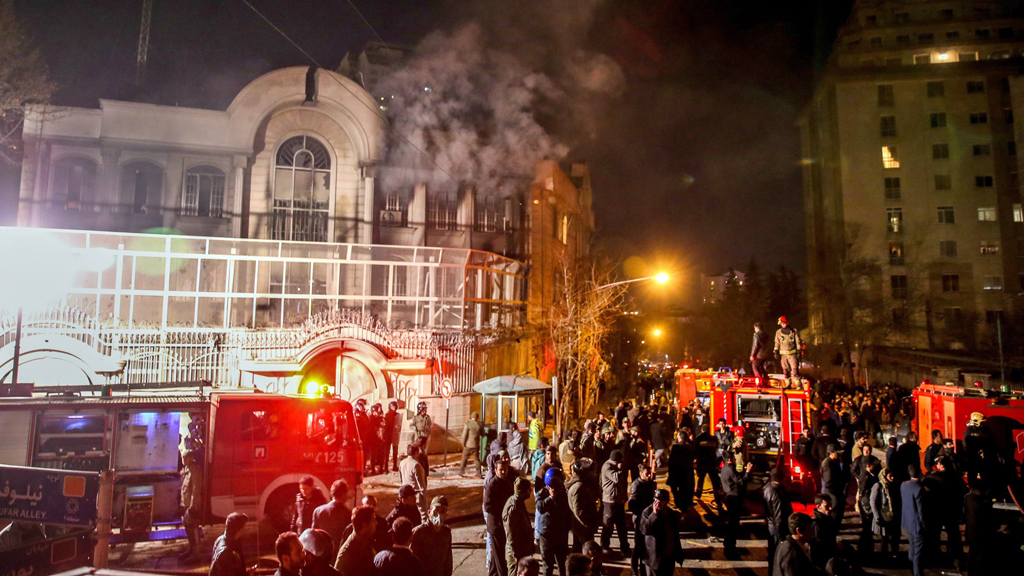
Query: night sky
695	164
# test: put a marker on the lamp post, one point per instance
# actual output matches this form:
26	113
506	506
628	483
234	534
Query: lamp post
660	278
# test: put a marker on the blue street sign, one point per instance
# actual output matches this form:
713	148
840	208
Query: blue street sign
48	496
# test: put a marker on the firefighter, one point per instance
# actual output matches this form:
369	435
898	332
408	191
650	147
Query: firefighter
980	447
788	347
422	424
759	353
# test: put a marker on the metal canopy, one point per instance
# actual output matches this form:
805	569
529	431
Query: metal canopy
510	385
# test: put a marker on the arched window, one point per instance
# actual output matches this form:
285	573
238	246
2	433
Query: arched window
204	192
74	181
142	184
302	183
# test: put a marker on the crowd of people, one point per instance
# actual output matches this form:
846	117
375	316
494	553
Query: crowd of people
599	481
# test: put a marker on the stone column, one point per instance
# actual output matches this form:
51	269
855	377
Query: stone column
238	164
369	174
418	214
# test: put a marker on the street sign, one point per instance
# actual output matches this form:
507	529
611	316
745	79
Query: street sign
447	388
48	496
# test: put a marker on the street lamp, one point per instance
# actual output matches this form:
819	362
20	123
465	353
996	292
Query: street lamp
657	332
660	278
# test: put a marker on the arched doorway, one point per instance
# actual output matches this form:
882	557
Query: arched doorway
351	368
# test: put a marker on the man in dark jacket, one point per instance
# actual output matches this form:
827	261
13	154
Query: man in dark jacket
931	453
913	517
660	526
497	491
819	448
318	549
641	495
833	482
777	509
945	490
516	520
867	481
734	484
334	516
707	465
355	555
290	557
393	434
825	544
308	499
792	558
227	550
980	528
613	502
553	526
724	436
584	502
759	354
405	507
399	559
908	456
680	471
432	540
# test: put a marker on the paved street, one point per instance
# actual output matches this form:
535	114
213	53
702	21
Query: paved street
703	551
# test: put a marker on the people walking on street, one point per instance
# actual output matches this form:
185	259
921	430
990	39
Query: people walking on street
885	513
680	471
471	432
641	495
979	527
432	540
869	478
308	499
660	526
516	447
227	549
405	507
393	431
913	517
535	432
734	484
516	520
399	559
613	502
788	347
792	558
584	502
777	510
412	473
290	556
355	554
334	516
833	482
826	533
497	490
553	527
539	456
759	354
708	465
945	491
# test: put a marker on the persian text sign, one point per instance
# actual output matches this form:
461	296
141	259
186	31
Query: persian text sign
48	496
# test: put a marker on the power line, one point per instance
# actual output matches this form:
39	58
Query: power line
347	89
365	21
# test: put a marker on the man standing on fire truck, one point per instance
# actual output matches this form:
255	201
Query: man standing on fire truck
759	353
787	349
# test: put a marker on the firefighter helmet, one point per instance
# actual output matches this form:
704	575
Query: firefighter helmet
976	418
421	408
782	320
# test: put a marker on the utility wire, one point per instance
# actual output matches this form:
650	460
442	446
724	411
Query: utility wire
365	21
331	75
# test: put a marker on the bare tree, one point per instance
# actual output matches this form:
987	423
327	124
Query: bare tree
23	81
584	314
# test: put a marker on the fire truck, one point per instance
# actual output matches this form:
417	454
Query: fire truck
693	384
254	448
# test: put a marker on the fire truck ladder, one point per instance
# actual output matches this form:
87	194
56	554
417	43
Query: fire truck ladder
795	417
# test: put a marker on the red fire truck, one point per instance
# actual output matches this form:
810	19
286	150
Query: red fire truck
254	446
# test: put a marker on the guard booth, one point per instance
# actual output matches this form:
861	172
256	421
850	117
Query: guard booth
508	399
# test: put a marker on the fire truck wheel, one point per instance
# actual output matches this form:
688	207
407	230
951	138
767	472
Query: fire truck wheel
281	507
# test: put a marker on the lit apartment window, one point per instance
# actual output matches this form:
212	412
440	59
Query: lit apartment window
890	157
989	247
946	215
925	38
979	118
1008	115
1018	213
987	214
888	125
936	89
968	56
1011	148
892	188
943	182
876	41
982	149
952	35
896	253
898	285
940	151
983	181
982	34
885	95
947	248
975	87
992	283
894	219
938	119
922	58
950	283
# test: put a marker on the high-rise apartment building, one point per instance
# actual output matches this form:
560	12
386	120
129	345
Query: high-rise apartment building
915	231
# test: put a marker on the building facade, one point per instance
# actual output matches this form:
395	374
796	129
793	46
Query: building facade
712	288
910	169
253	247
